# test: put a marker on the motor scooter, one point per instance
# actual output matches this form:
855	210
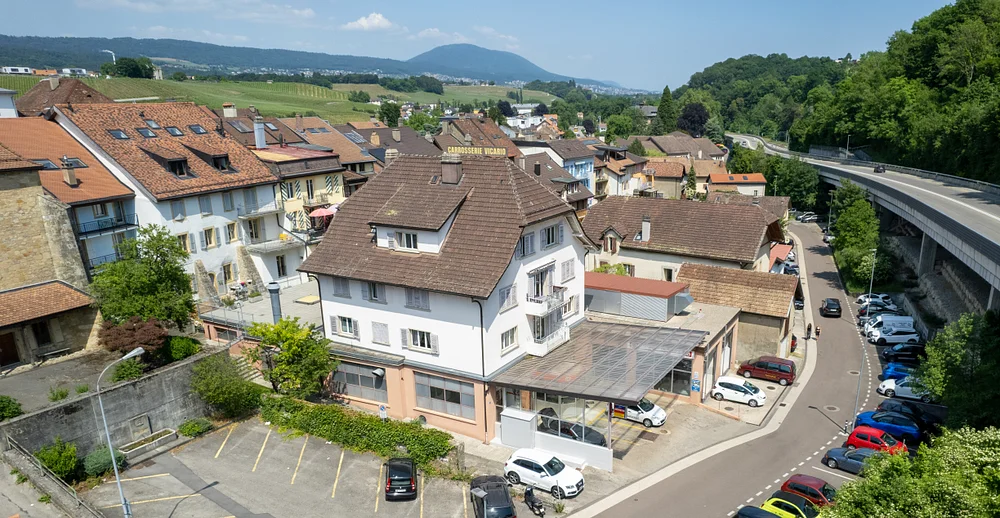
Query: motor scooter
534	503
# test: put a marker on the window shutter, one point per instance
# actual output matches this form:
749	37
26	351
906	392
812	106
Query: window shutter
191	243
329	184
334	324
298	189
357	330
531	243
380	292
434	344
410	297
365	291
236	272
560	233
405	336
204	246
513	294
390	238
218	234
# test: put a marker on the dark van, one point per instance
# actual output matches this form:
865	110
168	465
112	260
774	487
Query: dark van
769	368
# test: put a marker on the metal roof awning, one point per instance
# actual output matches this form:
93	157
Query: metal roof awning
605	361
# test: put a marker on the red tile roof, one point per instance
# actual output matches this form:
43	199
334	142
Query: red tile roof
726	178
484	132
666	169
634	285
38	301
350	153
778	252
11	161
71	91
133	154
36	138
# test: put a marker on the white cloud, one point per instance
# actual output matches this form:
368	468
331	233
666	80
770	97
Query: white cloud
436	34
493	33
372	22
257	11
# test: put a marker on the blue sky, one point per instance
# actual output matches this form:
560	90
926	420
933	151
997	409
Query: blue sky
642	44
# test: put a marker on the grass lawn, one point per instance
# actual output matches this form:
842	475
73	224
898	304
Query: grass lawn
459	94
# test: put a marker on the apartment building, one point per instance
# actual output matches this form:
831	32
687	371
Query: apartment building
354	157
621	173
438	275
207	189
572	155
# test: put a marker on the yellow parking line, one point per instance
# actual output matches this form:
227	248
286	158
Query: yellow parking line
337	479
224	441
300	458
146	476
262	446
137	502
422	486
465	503
378	487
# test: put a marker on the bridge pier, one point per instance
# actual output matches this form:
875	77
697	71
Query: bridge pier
928	253
994	302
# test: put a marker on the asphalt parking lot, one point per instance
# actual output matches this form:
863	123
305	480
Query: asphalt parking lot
250	469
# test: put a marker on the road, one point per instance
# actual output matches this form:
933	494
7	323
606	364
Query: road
749	473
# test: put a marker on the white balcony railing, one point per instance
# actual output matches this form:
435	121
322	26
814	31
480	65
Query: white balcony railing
557	337
542	305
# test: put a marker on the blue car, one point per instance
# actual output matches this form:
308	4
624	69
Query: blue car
851	461
897	371
893	423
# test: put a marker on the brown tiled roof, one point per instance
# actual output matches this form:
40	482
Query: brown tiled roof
36	138
423	207
292	161
349	152
777	205
634	285
11	161
247	117
71	91
571	148
38	301
665	169
360	125
501	200
484	133
703	168
96	119
708	230
550	171
759	293
410	142
723	178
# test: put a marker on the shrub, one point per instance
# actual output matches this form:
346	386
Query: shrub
195	427
9	408
358	430
129	369
60	457
81	389
218	380
98	462
135	332
176	348
45	499
56	394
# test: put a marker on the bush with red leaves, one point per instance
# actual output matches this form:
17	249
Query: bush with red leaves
135	332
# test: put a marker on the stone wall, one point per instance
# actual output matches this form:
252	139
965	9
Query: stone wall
62	242
27	256
162	399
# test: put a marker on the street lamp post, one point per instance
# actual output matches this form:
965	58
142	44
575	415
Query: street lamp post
868	311
107	433
848	144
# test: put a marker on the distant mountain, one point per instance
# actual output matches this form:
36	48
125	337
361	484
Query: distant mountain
467	61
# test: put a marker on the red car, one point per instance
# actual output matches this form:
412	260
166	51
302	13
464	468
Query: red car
868	437
813	489
771	368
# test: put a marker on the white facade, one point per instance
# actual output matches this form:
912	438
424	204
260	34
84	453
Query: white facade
7	108
524	121
102	226
16	70
656	265
458	341
751	189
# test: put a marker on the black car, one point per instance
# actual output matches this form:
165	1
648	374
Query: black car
830	308
928	422
904	353
490	498
400	479
799	303
550	423
880	168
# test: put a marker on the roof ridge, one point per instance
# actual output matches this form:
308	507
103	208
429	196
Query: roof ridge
515	192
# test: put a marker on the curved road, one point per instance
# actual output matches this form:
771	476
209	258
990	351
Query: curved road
747	474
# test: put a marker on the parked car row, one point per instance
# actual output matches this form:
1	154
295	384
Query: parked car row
799	497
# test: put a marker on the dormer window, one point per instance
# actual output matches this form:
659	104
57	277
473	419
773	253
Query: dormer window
221	163
178	167
118	134
174	131
610	244
146	132
406	240
197	129
152	124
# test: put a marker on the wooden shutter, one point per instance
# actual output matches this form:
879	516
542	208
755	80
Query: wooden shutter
191	243
334	324
235	271
356	328
204	245
218	235
298	189
405	338
380	292
410	297
560	233
329	184
365	291
434	344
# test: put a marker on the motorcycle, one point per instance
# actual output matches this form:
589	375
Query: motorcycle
534	503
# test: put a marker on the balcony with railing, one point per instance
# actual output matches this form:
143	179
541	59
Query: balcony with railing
555	338
122	222
541	305
319	199
264	245
256	210
94	262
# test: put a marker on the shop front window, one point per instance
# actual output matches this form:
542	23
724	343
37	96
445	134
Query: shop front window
677	381
572	418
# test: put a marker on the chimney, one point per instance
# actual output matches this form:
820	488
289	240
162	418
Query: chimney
538	168
259	137
451	168
699	154
520	162
390	155
468	139
228	110
396	135
375	140
69	174
253	109
53	83
298	123
273	288
372	119
645	229
428	137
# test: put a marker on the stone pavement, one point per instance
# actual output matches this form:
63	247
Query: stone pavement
30	385
22	499
260	310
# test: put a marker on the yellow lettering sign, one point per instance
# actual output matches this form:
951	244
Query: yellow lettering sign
478	150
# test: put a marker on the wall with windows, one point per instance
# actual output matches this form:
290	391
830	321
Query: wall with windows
327	189
281	266
651	265
403	238
70	331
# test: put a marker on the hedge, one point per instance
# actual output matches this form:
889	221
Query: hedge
98	462
358	431
195	427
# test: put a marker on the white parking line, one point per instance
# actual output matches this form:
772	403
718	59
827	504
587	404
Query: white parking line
809	458
801	463
785	475
730	513
749	500
777	480
759	493
793	469
834	474
821	448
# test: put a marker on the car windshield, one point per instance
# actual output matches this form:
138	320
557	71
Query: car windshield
889	440
554	466
828	491
645	405
832	304
751	387
500	512
897	347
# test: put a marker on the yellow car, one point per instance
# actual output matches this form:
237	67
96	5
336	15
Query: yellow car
787	505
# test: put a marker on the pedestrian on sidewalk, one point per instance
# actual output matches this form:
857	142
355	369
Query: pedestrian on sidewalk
809	331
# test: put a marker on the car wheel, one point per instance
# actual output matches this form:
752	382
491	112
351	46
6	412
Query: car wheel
746	374
911	341
881	341
890	393
753	403
783	382
647	423
558	493
926	398
832	463
718	396
513	478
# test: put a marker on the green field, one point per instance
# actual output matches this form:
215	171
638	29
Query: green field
274	99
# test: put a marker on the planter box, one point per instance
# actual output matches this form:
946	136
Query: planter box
137	448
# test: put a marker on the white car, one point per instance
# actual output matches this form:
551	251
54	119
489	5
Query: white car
732	388
906	388
804	215
893	335
643	412
791	257
544	471
883	297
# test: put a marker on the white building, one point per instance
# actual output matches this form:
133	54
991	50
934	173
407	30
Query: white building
78	72
24	71
437	276
208	190
524	121
749	184
7	108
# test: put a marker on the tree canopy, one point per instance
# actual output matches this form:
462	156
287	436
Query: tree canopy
388	113
636	148
130	67
294	357
857	227
693	118
540	109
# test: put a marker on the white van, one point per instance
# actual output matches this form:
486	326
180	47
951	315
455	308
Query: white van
879	321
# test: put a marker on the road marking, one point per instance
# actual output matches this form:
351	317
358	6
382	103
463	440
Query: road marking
337	479
801	463
793	469
731	513
777	480
147	476
137	502
834	474
224	441
828	442
297	464
768	487
749	500
785	475
262	446
378	486
809	458
759	493
465	503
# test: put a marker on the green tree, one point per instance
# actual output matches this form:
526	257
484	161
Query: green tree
666	114
613	269
691	188
506	109
496	115
793	178
218	380
388	113
845	196
420	121
619	126
149	281
358	96
714	131
857	227
746	161
295	356
178	76
693	118
636	148
131	67
962	361
540	109
60	457
589	126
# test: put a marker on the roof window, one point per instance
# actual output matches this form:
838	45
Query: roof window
118	134
221	163
174	130
152	124
178	167
46	164
197	129
73	162
313	130
270	126
240	126
146	132
731	178
745	177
